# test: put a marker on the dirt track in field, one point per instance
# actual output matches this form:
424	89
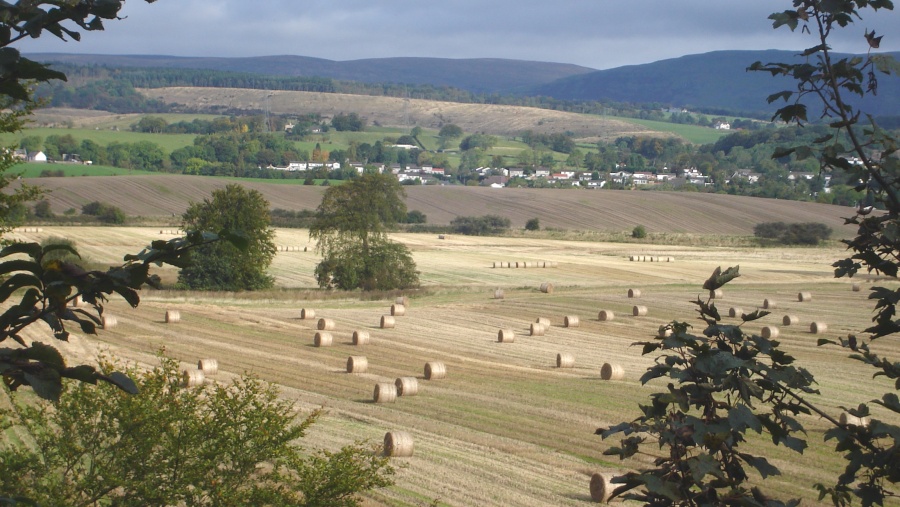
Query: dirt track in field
506	427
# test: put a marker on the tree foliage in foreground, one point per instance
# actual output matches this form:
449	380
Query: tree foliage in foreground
221	266
351	229
223	444
725	382
858	147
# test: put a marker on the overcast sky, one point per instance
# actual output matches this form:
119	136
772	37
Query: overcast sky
599	34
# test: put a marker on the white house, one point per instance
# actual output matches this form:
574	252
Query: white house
37	157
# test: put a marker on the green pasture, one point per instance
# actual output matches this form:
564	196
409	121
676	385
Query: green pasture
692	133
168	142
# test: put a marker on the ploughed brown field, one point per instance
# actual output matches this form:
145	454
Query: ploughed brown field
506	426
584	210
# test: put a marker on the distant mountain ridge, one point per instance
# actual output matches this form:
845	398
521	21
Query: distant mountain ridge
478	75
711	80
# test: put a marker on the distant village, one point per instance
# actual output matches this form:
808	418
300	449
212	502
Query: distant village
500	177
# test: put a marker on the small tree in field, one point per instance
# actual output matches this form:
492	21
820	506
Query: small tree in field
533	224
351	229
222	266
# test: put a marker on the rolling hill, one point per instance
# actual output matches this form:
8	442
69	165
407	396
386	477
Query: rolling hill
167	196
479	75
712	80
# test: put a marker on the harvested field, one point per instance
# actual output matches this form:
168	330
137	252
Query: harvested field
399	112
506	426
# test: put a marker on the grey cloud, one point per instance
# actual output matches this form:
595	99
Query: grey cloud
596	33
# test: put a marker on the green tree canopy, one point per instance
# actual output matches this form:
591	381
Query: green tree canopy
351	229
221	266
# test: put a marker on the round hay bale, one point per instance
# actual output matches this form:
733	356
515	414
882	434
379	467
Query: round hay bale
605	315
735	312
855	287
523	264
108	322
498	294
632	258
192	378
769	332
769	304
804	297
357	364
398	444
307	313
441	236
639	311
398	310
790	320
323	339
664	331
506	336
547	288
387	322
435	370
77	301
325	325
634	293
554	264
544	321
385	392
570	321
852	420
514	264
402	300
652	259
407	386
612	372
208	366
818	327
537	329
361	338
716	294
494	265
565	361
172	316
602	487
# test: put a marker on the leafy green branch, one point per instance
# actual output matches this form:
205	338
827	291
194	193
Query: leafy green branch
47	290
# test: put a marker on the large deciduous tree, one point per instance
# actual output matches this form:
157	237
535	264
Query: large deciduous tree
221	266
351	229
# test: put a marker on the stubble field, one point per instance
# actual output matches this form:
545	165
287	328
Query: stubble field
506	427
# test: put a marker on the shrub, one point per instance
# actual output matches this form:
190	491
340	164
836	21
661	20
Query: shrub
416	217
229	444
42	209
639	232
809	233
486	225
533	224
